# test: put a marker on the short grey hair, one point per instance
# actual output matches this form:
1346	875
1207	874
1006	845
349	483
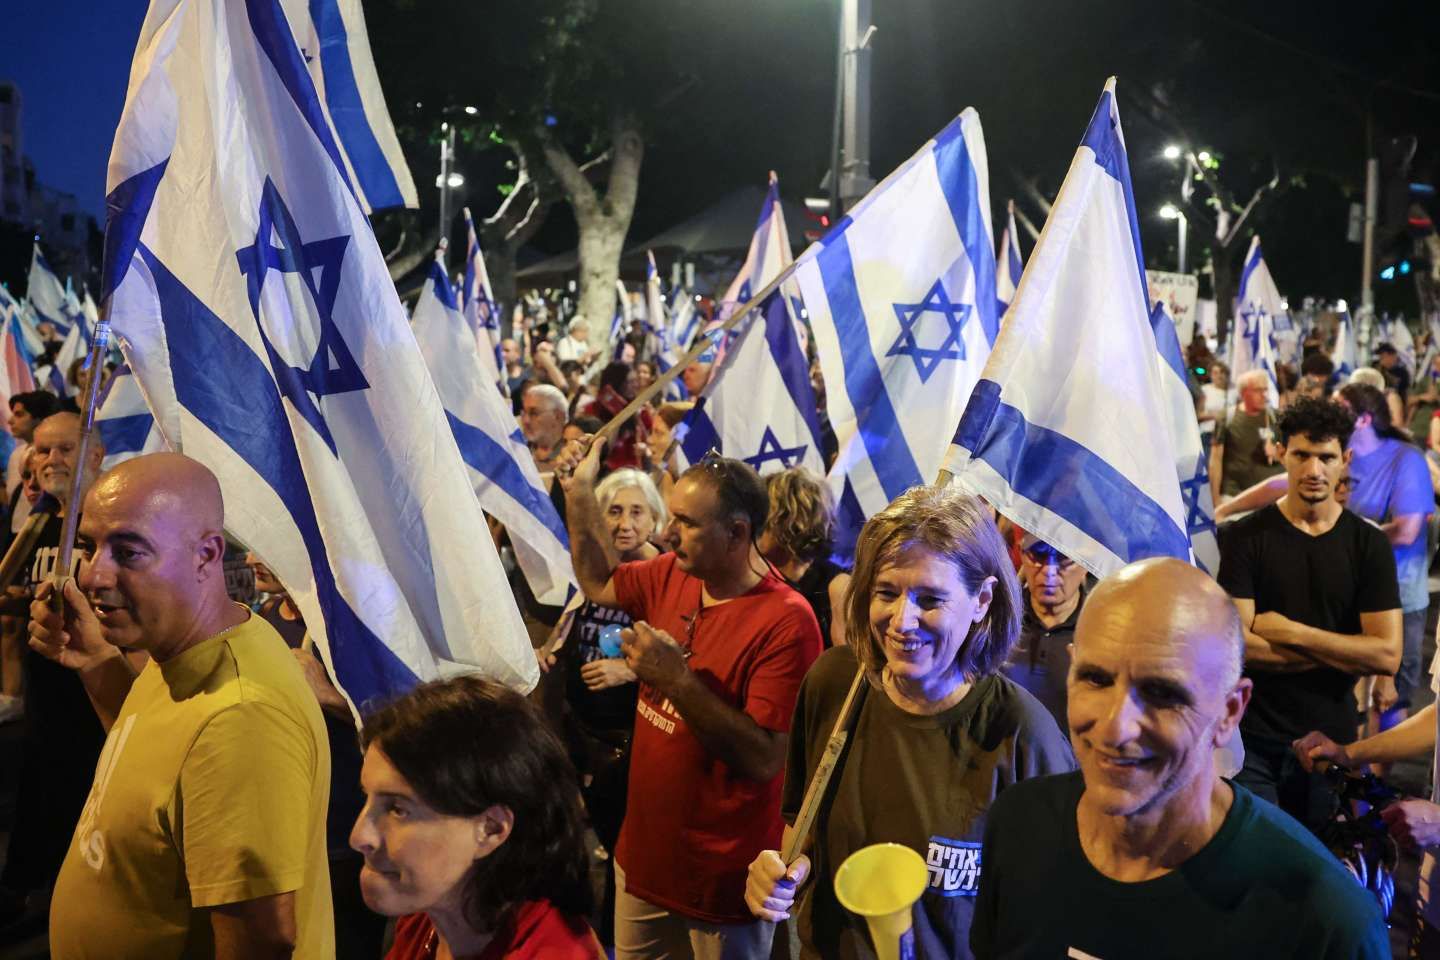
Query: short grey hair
626	478
1370	377
1253	378
550	394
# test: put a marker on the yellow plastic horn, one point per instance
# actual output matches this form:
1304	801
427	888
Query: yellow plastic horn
880	883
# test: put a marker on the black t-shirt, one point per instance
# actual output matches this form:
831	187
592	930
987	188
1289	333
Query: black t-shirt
1262	887
1041	660
599	711
346	797
814	586
923	781
1325	582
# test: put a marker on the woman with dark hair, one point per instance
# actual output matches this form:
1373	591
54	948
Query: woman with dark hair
797	541
933	613
1390	484
472	830
618	386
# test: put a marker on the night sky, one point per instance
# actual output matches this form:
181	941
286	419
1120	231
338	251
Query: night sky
1290	81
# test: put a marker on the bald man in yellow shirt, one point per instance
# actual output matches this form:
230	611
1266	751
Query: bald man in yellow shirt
204	831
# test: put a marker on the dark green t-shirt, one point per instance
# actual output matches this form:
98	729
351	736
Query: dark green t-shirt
1243	464
925	782
1262	887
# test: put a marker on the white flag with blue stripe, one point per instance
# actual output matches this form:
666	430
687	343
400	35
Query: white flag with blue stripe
1192	448
1346	355
1008	265
1257	306
481	311
901	297
1397	332
126	426
336	47
759	405
47	295
262	323
490	442
1070	433
668	353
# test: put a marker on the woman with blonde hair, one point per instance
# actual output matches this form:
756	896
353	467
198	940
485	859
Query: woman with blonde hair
798	539
933	613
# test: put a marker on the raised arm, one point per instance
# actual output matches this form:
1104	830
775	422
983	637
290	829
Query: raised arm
1262	494
591	551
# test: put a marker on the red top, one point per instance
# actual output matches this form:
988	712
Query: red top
533	931
620	451
691	825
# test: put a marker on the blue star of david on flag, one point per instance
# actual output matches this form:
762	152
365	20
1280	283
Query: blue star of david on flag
770	449
928	359
1195	519
333	369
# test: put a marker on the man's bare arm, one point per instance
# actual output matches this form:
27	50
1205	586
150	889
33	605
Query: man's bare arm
1263	654
1375	651
259	929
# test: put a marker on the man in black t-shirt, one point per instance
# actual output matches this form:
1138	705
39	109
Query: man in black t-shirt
1148	852
1316	590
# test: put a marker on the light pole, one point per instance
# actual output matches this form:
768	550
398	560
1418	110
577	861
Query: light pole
1182	225
448	179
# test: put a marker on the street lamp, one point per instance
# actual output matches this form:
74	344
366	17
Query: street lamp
1182	225
1172	152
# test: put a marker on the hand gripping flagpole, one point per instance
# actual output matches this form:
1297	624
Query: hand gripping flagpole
702	343
98	348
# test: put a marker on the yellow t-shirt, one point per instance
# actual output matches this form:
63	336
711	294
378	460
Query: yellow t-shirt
212	789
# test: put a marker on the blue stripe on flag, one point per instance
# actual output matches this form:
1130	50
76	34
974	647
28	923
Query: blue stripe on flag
700	434
962	192
1102	136
347	111
876	421
125	434
849	521
272	32
441	285
1250	266
126	208
224	385
794	370
496	464
1167	341
1067	479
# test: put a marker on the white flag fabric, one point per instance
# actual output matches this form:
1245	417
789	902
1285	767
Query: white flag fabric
1257	306
759	405
14	360
901	297
1009	265
262	323
1192	448
1397	332
47	295
336	48
668	352
1070	431
490	442
1346	355
478	304
126	427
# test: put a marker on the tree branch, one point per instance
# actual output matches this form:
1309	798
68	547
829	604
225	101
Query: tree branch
572	179
627	150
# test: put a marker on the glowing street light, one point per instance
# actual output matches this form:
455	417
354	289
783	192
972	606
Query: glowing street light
1172	152
1203	156
453	180
1170	212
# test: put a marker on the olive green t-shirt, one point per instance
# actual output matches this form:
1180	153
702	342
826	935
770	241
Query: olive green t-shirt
1243	463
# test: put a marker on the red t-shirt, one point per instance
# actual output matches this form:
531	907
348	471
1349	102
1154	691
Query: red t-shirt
534	931
692	826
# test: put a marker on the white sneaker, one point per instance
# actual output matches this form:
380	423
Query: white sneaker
11	708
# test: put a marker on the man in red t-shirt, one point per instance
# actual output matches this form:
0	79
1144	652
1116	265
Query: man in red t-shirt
720	644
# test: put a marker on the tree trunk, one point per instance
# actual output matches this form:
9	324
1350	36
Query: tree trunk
603	221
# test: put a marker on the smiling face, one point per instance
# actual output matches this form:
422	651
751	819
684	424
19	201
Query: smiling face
921	615
629	520
57	449
416	858
1151	693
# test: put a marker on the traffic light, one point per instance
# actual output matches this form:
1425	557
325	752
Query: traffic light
817	214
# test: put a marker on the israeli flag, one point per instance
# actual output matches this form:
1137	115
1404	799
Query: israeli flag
667	353
1008	265
501	468
1346	355
126	426
336	51
901	297
1192	447
47	295
759	405
481	311
684	320
28	327
1253	345
260	320
14	359
1070	432
1397	332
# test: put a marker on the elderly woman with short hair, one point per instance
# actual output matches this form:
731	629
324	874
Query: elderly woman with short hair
933	612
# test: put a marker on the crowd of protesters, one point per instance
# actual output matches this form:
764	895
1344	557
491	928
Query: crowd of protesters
1129	768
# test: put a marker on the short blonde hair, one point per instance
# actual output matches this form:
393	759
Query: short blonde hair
954	526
